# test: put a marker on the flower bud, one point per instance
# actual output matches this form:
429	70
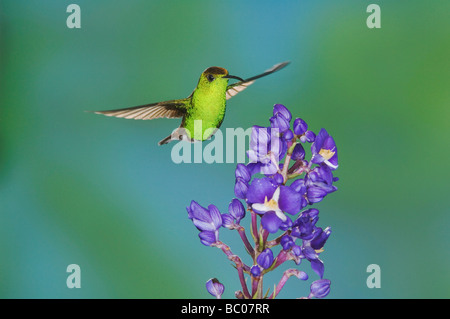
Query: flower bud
265	259
320	288
215	288
236	209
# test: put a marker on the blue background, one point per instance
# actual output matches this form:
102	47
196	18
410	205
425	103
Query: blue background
98	192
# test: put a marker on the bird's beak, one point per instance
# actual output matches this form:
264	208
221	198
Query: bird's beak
233	77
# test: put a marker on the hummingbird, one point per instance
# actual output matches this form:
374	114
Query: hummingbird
205	105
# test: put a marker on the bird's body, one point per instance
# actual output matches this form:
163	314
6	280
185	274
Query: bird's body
203	111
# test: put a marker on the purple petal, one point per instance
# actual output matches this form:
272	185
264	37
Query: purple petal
325	173
315	194
198	212
278	178
297	250
287	242
240	189
310	136
317	158
287	224
312	214
288	135
254	168
302	275
289	200
271	222
259	189
309	253
202	218
320	238
334	160
227	221
280	122
253	156
216	216
259	139
303	202
243	172
208	237
269	168
255	271
299	186
329	144
318	267
318	143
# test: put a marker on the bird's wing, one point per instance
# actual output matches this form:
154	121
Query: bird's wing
167	109
237	87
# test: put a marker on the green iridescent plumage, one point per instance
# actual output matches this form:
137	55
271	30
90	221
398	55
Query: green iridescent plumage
205	106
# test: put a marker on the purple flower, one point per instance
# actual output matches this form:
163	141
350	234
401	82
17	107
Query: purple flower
303	226
279	122
320	288
281	118
301	130
265	259
288	187
300	126
319	183
215	288
322	177
272	201
280	109
208	221
324	150
205	219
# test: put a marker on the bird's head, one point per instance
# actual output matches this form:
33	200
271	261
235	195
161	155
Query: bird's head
215	77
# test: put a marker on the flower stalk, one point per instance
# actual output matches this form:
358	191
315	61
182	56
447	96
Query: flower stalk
276	186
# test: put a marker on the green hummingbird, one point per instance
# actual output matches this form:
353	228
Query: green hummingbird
202	112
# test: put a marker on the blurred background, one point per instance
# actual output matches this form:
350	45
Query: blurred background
81	188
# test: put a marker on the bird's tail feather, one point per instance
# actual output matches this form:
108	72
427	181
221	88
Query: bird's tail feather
165	140
178	134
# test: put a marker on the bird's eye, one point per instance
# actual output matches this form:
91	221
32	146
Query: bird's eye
210	77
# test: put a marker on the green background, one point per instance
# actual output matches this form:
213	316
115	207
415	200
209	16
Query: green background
80	188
